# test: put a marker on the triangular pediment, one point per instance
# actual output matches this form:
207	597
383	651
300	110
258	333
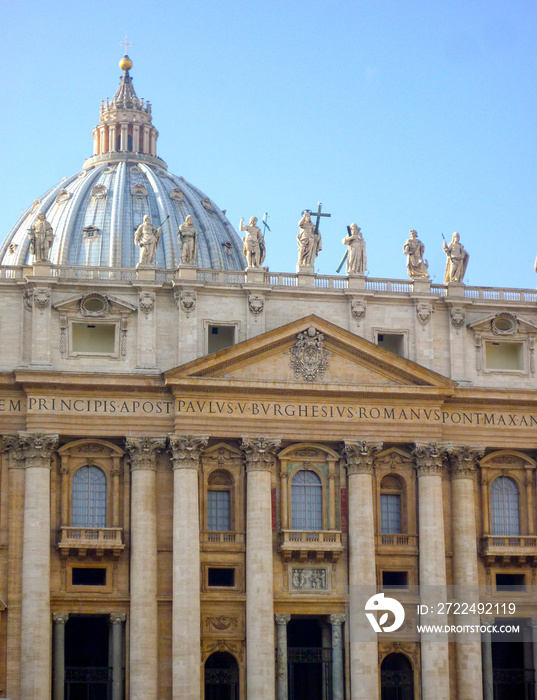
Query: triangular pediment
94	304
503	323
310	351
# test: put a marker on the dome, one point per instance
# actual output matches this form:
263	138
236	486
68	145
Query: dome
95	212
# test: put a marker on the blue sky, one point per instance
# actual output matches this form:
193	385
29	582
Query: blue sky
395	115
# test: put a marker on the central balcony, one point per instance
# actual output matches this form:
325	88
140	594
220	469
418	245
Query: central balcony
95	539
313	544
397	544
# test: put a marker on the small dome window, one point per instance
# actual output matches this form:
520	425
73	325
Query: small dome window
94	305
504	324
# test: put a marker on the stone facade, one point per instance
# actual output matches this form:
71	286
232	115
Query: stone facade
210	472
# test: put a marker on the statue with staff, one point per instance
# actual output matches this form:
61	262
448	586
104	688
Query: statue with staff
355	255
41	237
254	249
457	259
147	237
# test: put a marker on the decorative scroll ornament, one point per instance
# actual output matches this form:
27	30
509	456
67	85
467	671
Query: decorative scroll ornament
309	357
187	301
41	297
358	309
222	623
256	303
147	302
424	312
504	323
458	317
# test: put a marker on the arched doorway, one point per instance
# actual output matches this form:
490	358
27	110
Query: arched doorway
221	677
396	678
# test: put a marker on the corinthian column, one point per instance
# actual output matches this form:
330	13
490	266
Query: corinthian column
143	579
463	462
35	618
259	454
186	451
362	584
432	567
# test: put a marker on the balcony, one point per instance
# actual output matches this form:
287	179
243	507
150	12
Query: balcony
397	544
222	540
312	544
519	549
95	539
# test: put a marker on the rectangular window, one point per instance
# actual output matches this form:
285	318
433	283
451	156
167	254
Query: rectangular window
218	511
85	576
394	342
93	338
220	337
395	579
515	583
504	356
390	513
223	578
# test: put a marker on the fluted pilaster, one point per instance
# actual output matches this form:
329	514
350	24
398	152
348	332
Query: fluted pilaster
432	565
359	456
143	452
35	615
186	451
260	460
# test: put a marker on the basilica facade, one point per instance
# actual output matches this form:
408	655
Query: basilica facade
210	473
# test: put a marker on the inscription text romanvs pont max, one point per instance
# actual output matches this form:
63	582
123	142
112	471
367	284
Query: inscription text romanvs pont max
347	412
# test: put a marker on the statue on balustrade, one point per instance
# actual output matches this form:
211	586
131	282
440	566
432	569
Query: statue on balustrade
457	260
41	237
188	241
309	241
254	249
146	238
414	250
356	257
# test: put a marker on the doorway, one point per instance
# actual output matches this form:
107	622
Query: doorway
221	677
310	666
88	675
396	678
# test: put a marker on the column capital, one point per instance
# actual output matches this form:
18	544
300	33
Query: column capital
143	451
259	453
429	458
117	618
488	621
282	619
15	450
359	455
186	450
337	619
60	618
463	460
35	448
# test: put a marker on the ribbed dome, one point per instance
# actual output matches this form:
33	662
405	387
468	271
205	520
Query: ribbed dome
95	213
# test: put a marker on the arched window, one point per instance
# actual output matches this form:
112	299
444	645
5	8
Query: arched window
504	508
306	501
219	501
390	505
89	498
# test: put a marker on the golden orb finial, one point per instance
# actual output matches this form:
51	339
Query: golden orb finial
125	63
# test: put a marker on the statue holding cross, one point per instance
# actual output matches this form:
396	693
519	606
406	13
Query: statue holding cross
309	239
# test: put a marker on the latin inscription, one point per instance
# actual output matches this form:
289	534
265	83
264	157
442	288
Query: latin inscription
350	413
